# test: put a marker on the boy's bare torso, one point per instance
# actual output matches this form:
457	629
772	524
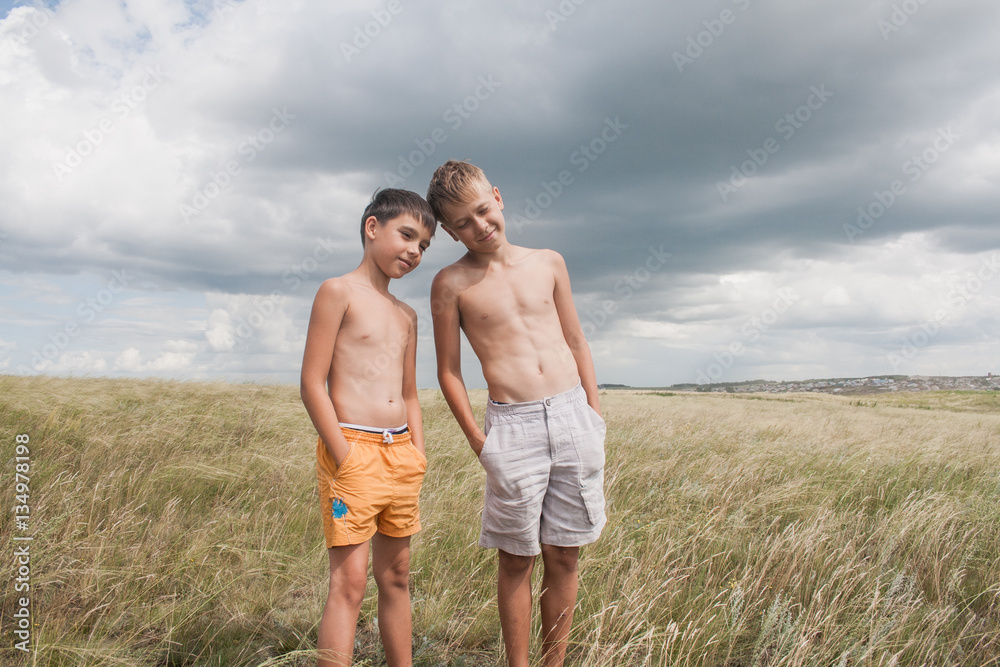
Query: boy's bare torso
366	375
508	313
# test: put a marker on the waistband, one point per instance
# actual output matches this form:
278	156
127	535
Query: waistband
565	401
385	433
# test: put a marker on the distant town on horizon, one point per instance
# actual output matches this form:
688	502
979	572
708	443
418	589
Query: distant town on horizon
874	384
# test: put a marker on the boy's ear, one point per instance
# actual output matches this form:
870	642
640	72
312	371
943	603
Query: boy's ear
450	233
496	195
371	225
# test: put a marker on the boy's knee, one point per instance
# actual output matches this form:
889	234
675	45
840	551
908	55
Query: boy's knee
561	558
348	591
348	584
397	575
512	564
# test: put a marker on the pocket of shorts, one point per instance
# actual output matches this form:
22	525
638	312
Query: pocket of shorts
600	420
592	492
421	457
486	443
343	464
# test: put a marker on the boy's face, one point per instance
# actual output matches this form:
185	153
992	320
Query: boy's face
477	222
398	245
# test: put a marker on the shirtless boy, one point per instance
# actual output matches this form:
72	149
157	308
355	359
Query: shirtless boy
359	387
542	445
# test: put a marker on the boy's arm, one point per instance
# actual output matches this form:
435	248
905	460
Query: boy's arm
448	348
324	323
573	332
414	418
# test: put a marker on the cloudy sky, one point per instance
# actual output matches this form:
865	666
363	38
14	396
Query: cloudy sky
741	188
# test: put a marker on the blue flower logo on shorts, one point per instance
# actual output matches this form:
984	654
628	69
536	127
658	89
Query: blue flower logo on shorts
339	508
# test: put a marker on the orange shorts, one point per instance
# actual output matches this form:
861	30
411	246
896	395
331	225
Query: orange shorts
376	487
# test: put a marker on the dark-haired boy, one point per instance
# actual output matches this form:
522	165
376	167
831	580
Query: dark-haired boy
542	445
359	387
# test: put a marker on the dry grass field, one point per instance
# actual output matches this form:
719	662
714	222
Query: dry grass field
177	524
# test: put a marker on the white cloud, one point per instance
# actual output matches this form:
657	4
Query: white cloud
221	332
255	323
177	356
83	362
836	296
129	360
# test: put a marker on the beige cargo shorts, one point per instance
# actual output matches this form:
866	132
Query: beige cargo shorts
544	463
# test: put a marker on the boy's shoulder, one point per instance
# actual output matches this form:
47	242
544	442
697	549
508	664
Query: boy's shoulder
336	289
343	290
455	272
539	258
521	253
523	264
407	309
547	254
516	254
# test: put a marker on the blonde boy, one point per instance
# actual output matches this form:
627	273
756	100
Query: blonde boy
542	445
359	387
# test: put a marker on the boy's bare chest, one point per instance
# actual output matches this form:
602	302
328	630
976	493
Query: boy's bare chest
371	322
525	293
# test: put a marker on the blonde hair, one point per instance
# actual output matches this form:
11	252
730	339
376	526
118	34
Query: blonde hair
454	182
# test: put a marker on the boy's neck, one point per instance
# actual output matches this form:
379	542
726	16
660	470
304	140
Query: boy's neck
368	273
501	254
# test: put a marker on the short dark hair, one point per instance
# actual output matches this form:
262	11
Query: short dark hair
389	203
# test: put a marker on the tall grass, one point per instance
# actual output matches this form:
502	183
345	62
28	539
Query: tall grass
178	524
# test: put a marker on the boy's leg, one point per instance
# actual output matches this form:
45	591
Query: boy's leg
514	600
348	577
391	567
558	599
